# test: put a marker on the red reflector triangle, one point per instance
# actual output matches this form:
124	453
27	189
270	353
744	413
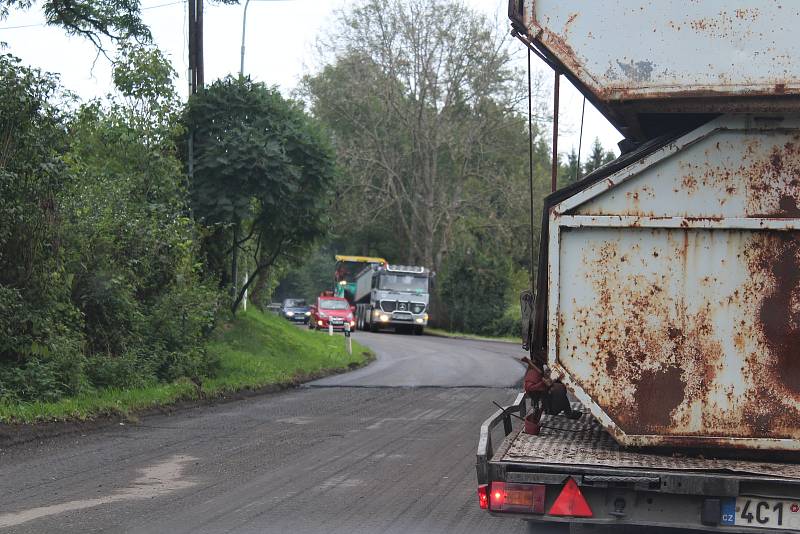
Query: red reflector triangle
571	502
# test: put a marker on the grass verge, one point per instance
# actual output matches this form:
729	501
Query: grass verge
256	351
459	335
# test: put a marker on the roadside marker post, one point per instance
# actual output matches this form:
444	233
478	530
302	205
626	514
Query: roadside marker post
244	300
348	341
330	328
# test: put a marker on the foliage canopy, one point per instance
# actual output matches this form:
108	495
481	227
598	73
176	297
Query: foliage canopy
262	172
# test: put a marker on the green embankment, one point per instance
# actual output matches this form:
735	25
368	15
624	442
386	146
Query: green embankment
255	351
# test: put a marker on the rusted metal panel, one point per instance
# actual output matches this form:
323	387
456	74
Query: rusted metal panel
672	48
734	170
639	59
674	291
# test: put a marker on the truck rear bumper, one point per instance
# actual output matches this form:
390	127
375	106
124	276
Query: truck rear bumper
625	487
405	323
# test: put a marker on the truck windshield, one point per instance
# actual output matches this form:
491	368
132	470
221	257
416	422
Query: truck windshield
404	282
331	304
294	303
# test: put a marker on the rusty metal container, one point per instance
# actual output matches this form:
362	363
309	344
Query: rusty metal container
637	60
673	308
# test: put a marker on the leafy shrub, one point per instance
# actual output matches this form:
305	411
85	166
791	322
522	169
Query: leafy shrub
473	285
128	370
507	325
100	282
35	379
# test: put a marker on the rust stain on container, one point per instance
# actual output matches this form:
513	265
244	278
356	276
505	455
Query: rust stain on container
658	395
779	313
657	361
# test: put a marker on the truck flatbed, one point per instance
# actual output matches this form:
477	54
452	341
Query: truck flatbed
632	487
585	442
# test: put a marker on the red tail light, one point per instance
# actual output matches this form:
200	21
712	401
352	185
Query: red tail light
571	502
510	497
483	496
496	495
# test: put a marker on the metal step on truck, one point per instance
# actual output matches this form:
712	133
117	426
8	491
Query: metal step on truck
667	300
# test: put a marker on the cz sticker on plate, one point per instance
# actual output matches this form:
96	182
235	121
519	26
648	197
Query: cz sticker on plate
759	512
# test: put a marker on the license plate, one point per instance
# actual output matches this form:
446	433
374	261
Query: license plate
402	318
761	513
336	321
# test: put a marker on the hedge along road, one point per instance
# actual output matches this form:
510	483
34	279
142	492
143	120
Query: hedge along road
317	459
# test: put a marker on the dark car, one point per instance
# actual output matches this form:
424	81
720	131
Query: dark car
296	310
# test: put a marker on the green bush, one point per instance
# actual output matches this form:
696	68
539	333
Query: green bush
101	285
473	285
128	370
507	325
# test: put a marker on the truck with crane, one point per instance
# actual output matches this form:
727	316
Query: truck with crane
345	273
667	300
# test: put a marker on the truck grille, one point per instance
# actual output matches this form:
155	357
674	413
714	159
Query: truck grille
402	306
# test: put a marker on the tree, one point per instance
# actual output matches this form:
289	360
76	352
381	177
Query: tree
100	283
133	248
569	171
262	173
421	118
597	157
474	282
39	340
95	20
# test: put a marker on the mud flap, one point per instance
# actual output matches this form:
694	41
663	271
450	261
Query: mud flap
526	307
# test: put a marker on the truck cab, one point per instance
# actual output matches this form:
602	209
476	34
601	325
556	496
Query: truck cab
395	296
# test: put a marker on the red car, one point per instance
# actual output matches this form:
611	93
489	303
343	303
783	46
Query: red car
335	311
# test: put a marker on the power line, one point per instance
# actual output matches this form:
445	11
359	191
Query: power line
23	26
163	5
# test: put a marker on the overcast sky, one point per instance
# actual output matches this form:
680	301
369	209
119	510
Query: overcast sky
279	50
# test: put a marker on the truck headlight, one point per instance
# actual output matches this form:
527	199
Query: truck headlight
420	320
384	318
308	314
289	314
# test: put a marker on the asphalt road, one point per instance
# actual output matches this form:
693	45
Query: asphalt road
405	360
346	455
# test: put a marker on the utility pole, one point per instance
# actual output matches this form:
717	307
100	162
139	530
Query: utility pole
201	73
192	44
195	68
196	72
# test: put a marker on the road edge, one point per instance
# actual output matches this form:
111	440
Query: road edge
471	338
12	435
